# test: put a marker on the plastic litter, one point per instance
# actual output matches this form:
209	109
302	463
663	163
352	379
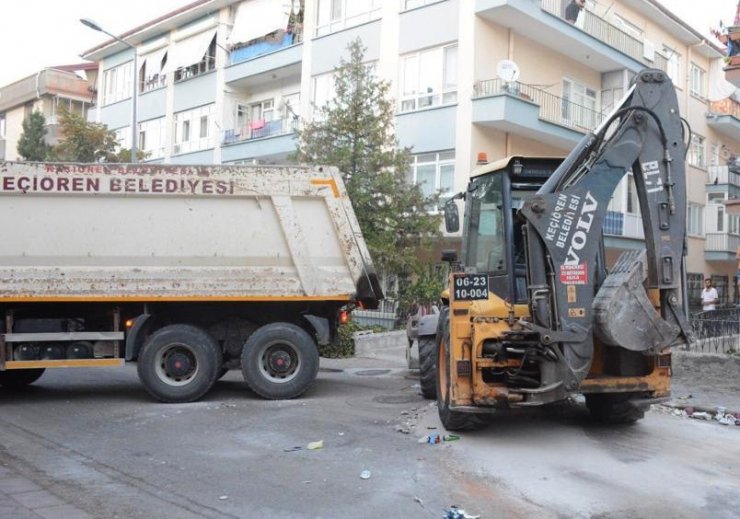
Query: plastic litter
315	445
423	439
223	498
701	416
365	474
455	512
418	500
451	437
434	438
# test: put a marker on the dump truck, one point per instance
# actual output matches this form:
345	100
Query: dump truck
189	271
535	312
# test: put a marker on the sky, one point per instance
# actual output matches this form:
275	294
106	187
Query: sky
39	33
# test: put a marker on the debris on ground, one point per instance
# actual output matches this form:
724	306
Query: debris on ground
455	512
292	449
451	437
315	445
365	474
418	500
223	498
701	415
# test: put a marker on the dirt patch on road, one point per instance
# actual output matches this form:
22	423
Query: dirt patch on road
708	380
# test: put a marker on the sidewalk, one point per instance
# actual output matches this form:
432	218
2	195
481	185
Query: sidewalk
21	498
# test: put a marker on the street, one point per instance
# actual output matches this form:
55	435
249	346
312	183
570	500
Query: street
91	443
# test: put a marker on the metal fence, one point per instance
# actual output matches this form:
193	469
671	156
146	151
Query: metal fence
385	316
717	331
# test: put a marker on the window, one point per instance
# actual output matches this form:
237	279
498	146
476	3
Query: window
152	137
429	78
673	65
150	72
716	212
193	130
695	219
206	64
578	105
335	15
714	154
434	172
123	137
694	286
323	90
696	151
117	83
2	126
697	81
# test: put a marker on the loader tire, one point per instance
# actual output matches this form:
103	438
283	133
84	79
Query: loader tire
614	408
19	378
452	420
280	361
179	363
427	366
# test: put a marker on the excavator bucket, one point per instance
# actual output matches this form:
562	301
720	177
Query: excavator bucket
624	316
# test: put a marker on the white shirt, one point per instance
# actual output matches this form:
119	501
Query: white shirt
708	296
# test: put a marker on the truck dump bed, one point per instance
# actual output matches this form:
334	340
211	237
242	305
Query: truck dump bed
128	232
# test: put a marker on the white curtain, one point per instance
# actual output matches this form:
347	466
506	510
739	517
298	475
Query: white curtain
188	51
256	18
719	87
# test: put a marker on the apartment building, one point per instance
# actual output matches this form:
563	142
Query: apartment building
68	86
228	81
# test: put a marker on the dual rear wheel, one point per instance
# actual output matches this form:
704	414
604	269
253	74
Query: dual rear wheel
181	363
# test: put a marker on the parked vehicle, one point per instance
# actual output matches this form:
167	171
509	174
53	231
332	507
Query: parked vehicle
188	270
534	315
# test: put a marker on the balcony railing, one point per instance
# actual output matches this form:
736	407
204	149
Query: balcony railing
721	242
612	35
723	175
259	130
265	45
552	108
623	224
726	106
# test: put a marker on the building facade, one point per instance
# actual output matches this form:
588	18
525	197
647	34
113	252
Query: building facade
504	77
46	91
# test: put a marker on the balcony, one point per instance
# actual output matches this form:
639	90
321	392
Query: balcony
721	246
624	224
593	41
531	112
732	70
724	117
273	139
263	62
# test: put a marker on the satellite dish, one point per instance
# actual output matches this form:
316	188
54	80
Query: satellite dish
507	70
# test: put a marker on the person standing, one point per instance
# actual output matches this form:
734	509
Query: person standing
709	296
574	9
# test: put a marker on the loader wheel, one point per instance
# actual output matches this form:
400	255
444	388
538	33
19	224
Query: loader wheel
280	361
427	364
179	363
452	420
18	378
614	408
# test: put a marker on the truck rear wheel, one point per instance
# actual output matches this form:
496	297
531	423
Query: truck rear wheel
280	361
427	363
452	420
18	378
614	408
179	363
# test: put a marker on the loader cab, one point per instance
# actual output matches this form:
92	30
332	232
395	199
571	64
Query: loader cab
492	228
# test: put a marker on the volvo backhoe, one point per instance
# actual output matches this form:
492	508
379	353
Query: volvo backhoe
533	314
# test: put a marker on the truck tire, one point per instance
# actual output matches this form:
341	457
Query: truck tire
280	361
427	366
614	408
179	363
452	420
18	378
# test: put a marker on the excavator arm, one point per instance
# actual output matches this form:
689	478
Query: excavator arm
572	298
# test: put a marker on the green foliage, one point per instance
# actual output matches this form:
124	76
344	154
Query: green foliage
32	143
425	290
345	346
354	132
84	141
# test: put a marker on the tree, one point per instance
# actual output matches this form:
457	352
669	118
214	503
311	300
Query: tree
83	141
32	142
354	132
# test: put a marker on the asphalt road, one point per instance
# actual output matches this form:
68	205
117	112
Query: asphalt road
94	440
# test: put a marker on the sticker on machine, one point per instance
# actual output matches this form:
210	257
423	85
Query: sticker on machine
574	274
